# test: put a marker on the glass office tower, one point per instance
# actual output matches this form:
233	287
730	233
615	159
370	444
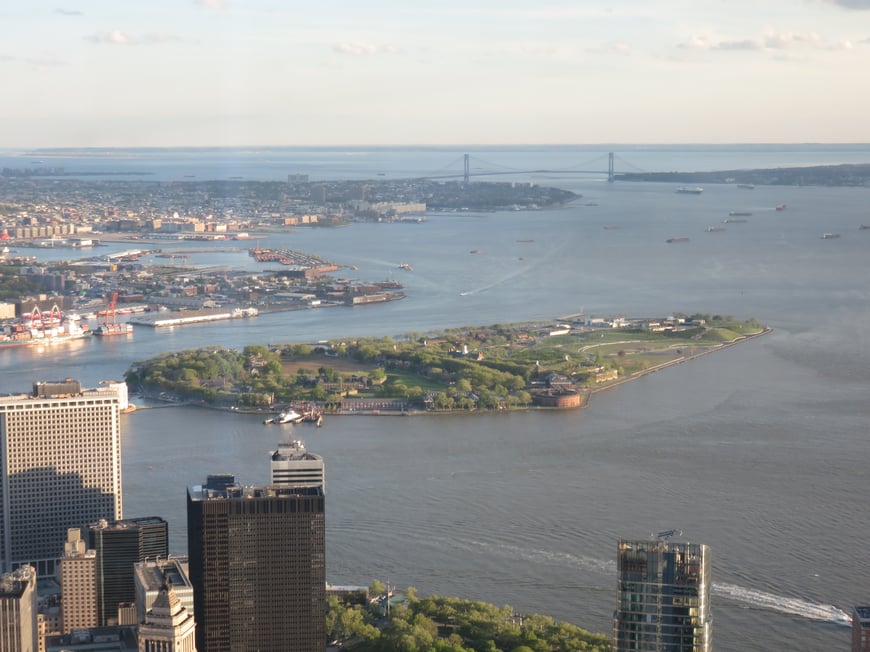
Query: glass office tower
663	597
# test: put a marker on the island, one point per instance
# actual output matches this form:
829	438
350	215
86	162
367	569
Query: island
545	365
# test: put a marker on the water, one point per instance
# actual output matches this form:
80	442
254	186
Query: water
759	451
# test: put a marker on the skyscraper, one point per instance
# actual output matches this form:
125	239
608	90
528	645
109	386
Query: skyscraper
663	597
119	546
78	584
168	626
258	567
60	467
152	575
18	628
293	466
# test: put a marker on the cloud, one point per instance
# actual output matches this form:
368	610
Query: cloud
68	12
789	40
39	64
118	37
114	37
849	4
365	49
767	42
614	47
214	5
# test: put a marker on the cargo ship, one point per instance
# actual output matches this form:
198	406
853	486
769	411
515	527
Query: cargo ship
110	325
42	328
114	329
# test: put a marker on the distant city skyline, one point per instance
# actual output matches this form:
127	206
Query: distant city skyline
92	73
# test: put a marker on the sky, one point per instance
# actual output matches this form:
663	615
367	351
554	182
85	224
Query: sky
164	73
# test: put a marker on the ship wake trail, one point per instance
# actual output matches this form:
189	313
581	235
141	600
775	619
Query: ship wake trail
793	606
752	598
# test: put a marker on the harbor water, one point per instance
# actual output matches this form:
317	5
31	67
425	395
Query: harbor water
758	451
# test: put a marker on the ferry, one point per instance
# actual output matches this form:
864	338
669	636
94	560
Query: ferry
746	186
291	416
686	190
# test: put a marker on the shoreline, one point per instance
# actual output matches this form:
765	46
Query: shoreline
588	392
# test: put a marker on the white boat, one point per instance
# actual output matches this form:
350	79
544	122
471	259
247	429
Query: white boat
290	416
686	190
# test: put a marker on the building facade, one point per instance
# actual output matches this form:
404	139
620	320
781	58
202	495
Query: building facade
152	575
293	466
168	625
60	467
18	611
119	546
861	629
258	567
78	584
663	597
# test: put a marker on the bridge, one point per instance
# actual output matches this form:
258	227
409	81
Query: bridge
496	169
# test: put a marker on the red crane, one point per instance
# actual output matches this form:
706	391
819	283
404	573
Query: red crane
110	312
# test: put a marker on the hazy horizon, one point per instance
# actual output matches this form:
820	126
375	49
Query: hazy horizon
201	73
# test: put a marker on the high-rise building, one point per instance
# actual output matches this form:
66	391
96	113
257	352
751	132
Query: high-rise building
60	467
152	575
861	629
18	611
168	625
78	584
258	566
293	466
663	597
119	546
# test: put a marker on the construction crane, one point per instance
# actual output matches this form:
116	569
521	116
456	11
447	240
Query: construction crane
110	312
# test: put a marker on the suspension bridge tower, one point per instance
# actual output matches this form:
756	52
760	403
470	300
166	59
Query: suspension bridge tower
610	174
466	171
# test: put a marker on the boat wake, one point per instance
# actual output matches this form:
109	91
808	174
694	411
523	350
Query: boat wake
792	606
752	598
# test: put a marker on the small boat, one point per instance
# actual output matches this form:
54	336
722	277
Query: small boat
687	190
746	186
474	251
740	213
291	416
830	236
734	220
406	267
864	227
675	240
780	207
715	229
